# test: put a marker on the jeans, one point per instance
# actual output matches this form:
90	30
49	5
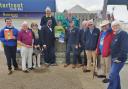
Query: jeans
114	75
75	54
80	59
49	55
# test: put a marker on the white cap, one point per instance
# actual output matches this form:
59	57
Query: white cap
48	8
116	22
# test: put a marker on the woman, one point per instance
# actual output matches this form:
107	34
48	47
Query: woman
119	50
37	45
25	39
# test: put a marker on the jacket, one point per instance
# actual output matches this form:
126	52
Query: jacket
47	36
91	39
11	42
106	44
119	46
72	36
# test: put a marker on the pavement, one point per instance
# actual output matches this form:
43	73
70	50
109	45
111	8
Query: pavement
56	77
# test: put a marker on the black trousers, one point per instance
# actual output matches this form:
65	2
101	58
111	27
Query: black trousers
80	58
10	53
49	55
85	58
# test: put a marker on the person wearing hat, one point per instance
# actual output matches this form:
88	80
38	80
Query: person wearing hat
103	49
90	42
72	44
119	50
48	16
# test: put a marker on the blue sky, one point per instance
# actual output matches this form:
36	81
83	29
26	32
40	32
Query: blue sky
120	12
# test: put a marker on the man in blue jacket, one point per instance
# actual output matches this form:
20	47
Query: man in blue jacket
72	44
8	36
119	50
91	40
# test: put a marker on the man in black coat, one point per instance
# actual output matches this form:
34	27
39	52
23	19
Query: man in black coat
48	42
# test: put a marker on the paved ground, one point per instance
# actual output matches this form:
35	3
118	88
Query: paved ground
51	78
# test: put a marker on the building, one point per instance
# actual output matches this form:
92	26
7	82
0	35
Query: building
82	13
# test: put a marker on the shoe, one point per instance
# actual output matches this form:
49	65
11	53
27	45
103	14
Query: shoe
17	69
101	76
106	80
25	71
9	72
34	66
73	66
85	70
66	65
39	66
54	64
47	65
31	68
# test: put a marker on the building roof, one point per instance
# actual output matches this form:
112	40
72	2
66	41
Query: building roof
78	9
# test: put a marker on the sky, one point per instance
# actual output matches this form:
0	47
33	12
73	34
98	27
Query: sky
120	12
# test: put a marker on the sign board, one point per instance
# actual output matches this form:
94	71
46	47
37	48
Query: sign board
117	2
27	5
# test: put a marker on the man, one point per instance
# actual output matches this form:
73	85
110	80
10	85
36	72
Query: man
25	39
103	49
8	36
72	44
48	41
91	39
46	17
81	46
119	50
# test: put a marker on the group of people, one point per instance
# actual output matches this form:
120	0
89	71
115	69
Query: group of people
105	50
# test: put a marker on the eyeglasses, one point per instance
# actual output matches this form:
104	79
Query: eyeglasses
90	24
